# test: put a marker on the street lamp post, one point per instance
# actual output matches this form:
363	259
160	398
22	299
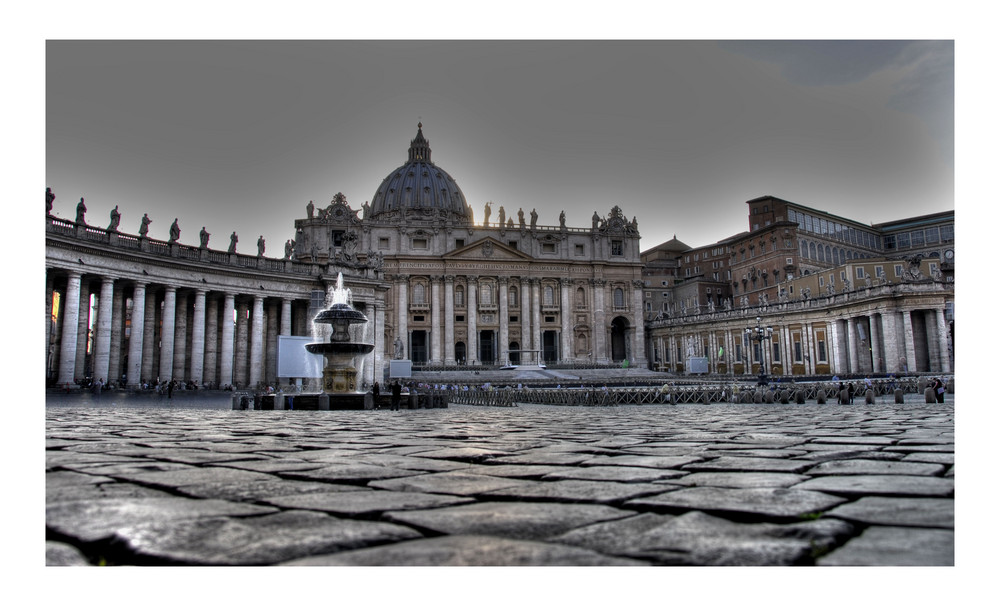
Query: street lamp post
760	334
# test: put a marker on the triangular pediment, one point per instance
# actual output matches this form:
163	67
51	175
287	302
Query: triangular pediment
487	248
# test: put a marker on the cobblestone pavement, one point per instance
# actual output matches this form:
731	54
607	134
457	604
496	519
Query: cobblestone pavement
826	485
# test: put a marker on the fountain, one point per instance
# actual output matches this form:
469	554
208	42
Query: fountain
340	353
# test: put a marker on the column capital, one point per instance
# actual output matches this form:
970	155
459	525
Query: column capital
449	279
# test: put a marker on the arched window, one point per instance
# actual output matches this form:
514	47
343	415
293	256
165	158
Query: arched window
581	298
419	294
512	299
619	297
549	296
459	296
486	294
812	250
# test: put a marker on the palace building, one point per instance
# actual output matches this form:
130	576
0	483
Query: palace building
437	288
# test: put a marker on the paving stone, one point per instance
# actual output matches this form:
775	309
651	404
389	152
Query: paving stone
882	485
273	465
869	467
464	453
779	503
614	473
888	511
923	448
350	473
546	458
732	479
252	492
417	462
775	453
56	479
876	440
107	490
511	520
895	546
58	458
450	482
99	518
258	540
127	469
467	550
930	457
839	455
581	491
656	462
697	538
747	464
198	475
513	471
61	554
366	502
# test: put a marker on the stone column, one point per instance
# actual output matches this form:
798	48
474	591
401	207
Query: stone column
525	315
834	340
148	338
286	317
504	320
911	350
890	338
600	322
639	345
877	362
71	317
380	341
402	313
102	340
472	347
49	288
210	376
942	330
198	339
227	347
180	337
167	333
449	320
852	346
271	344
566	315
436	339
810	349
536	317
257	342
135	337
82	326
241	345
117	326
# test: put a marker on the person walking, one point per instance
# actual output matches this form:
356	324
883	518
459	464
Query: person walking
397	391
375	391
850	392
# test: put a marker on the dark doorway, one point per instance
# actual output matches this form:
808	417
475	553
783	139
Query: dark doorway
619	332
460	353
550	346
487	347
418	346
515	354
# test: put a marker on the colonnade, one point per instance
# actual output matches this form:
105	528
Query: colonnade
147	332
878	340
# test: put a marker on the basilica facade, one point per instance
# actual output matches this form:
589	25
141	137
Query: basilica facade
438	289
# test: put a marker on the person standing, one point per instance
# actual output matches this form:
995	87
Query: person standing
850	392
375	391
397	391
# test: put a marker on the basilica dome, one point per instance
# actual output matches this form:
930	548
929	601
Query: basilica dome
420	188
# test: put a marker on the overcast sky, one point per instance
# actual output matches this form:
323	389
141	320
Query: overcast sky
241	135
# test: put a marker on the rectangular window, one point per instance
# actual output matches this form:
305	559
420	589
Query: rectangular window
879	271
917	238
947	233
617	248
776	353
548	247
420	243
903	240
931	235
513	319
512	244
821	347
821	282
798	352
898	270
383	243
859	272
579	250
460	242
890	242
338	237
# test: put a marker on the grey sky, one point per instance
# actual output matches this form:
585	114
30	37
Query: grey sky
241	135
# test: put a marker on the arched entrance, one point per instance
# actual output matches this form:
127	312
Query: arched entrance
619	339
